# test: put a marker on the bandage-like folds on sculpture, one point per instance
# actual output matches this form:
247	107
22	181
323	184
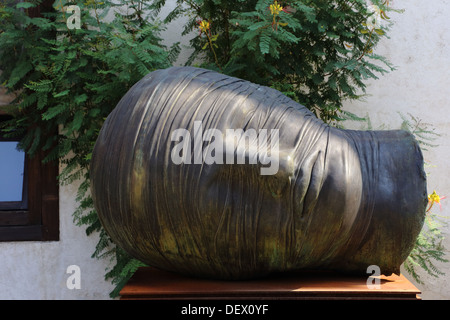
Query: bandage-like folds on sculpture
328	198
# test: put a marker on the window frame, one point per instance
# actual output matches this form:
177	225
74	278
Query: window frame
39	219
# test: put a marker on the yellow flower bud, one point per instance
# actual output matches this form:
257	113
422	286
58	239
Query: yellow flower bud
275	8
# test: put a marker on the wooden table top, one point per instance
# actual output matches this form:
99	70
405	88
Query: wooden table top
150	283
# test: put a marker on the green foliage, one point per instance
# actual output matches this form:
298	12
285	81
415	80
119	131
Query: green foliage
320	52
428	249
69	80
423	132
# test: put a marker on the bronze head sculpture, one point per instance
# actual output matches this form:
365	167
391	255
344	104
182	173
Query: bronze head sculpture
175	191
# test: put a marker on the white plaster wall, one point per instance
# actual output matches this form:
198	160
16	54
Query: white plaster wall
419	47
173	33
37	270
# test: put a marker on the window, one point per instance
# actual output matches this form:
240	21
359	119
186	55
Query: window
29	195
13	179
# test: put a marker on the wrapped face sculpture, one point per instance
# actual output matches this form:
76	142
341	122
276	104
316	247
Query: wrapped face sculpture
212	176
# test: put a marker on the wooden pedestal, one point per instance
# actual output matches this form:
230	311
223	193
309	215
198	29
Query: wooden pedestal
153	284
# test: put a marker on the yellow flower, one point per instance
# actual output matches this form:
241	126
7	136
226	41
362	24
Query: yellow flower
204	26
275	8
434	198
